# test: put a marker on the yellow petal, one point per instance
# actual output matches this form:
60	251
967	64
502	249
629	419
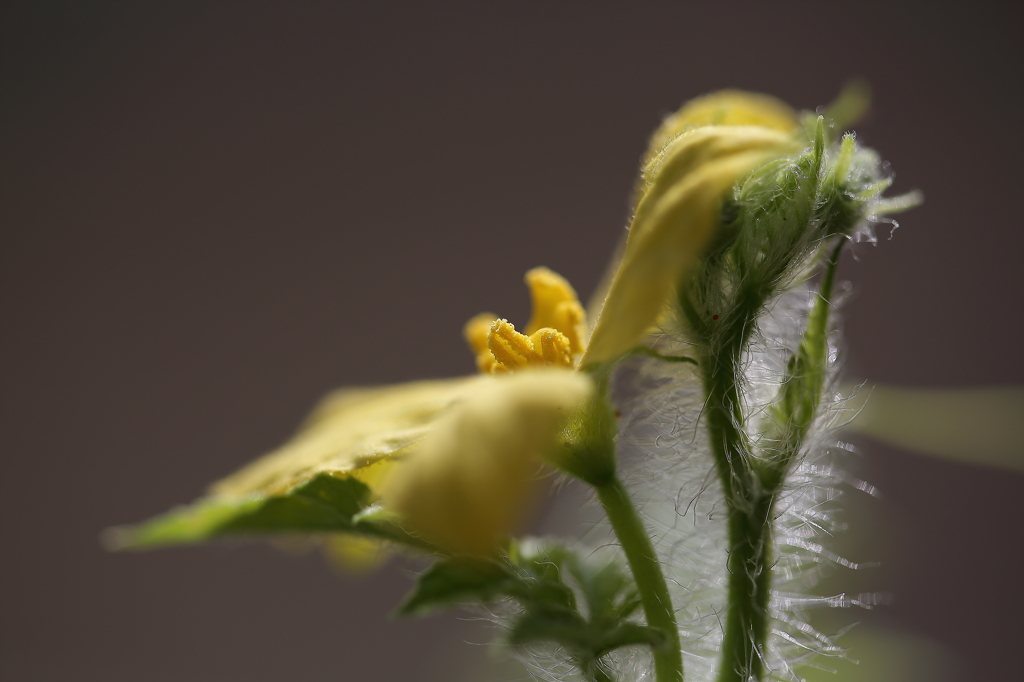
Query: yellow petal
469	482
356	554
476	332
673	222
556	305
724	108
352	431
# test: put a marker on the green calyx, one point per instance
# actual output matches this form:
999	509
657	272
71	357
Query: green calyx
587	448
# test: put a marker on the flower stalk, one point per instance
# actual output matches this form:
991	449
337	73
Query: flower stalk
650	580
749	523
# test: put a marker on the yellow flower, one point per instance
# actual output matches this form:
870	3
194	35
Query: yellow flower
694	157
455	458
675	218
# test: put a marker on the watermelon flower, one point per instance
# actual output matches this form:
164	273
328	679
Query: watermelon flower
737	199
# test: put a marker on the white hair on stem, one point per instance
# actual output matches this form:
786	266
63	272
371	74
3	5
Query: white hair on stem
665	461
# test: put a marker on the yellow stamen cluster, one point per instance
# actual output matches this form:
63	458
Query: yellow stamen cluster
555	335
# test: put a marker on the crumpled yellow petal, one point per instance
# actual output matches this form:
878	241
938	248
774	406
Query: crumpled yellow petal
673	222
476	332
352	431
469	482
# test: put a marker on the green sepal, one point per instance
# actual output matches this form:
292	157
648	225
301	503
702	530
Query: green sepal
587	447
324	504
769	228
457	581
849	107
793	413
842	203
582	640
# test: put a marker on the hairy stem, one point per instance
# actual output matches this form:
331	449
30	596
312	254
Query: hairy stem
650	581
746	630
749	484
749	518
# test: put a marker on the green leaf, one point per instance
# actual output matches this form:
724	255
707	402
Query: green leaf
583	640
610	596
609	593
545	579
531	575
460	580
541	567
564	628
325	503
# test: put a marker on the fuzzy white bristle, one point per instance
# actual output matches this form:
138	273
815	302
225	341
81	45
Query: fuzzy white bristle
667	465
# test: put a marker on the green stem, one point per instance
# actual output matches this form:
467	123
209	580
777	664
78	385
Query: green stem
749	484
749	520
746	630
650	581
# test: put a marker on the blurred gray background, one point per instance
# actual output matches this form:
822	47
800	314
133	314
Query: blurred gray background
215	212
